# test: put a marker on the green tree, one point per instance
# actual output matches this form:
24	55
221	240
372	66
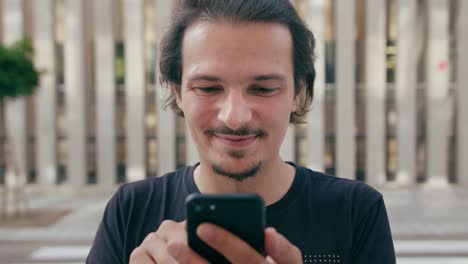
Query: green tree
18	77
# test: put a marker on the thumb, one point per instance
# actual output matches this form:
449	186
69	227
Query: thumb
280	249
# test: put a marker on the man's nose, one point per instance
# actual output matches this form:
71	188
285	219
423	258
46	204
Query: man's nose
235	112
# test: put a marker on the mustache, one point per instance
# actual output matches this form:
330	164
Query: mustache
242	131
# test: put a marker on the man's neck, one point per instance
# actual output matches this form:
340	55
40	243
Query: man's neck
272	181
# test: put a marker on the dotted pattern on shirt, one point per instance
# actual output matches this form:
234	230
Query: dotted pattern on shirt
322	258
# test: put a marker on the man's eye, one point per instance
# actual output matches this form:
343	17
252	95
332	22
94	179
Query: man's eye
208	90
264	90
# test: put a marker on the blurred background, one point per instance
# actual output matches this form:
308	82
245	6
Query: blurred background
389	110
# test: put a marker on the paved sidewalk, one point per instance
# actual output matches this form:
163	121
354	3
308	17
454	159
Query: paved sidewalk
418	213
428	213
80	225
429	226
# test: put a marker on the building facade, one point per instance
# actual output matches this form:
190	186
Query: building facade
388	108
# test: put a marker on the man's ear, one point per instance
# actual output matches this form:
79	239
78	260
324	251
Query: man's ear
177	92
298	98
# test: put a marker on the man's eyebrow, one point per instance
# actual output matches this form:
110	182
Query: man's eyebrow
269	77
263	77
204	77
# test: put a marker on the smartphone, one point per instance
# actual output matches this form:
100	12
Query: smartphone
241	214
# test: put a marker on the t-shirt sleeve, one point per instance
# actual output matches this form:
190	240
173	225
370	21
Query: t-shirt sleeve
372	237
108	244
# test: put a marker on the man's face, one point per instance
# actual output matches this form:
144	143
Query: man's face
237	93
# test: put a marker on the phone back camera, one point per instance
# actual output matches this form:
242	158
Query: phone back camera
198	208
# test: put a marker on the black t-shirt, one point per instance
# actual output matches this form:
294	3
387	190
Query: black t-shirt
330	219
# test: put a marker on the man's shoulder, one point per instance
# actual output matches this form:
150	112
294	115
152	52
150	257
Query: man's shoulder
161	197
333	196
156	185
331	186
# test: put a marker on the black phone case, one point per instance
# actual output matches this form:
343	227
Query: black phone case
241	214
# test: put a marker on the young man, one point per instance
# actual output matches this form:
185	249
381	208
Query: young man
240	71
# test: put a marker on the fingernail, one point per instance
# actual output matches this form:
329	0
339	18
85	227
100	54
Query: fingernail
173	249
205	232
269	260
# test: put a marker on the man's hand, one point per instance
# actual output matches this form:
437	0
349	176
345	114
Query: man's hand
157	246
169	245
277	247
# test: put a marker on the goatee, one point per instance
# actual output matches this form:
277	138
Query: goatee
238	176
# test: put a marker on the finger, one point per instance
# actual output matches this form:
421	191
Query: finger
280	249
183	254
139	255
156	247
227	244
172	231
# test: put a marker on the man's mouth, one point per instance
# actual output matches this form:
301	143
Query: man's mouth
238	134
236	141
234	137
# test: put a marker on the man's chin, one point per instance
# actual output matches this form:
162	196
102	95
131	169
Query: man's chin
237	175
237	154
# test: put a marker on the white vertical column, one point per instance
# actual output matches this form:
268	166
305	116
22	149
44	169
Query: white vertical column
15	109
375	92
462	92
75	92
345	89
437	91
135	88
1	20
105	92
287	148
192	153
45	107
166	119
315	19
405	85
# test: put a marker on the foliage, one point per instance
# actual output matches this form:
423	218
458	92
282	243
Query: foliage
18	76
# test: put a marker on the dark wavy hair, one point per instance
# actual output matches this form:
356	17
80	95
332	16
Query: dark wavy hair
237	11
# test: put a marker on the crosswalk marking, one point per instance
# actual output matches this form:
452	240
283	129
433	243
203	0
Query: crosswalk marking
432	260
48	263
401	260
434	247
408	251
60	253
